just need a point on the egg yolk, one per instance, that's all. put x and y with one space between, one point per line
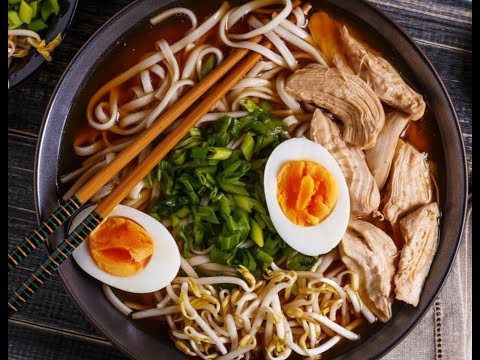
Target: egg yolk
306 192
120 246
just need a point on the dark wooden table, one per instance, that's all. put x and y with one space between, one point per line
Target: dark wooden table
50 326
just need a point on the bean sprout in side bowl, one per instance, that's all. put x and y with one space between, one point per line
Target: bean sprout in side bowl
286 222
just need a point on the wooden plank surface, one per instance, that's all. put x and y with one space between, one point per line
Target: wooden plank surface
50 326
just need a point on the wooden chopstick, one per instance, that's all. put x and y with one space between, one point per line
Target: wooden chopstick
70 206
107 204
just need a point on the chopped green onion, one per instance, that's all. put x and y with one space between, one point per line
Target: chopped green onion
184 211
187 242
259 220
25 12
13 20
268 222
179 156
199 152
248 204
205 213
227 242
188 182
300 262
256 233
195 132
201 170
241 124
219 153
273 244
175 221
155 216
198 235
46 10
265 106
189 143
225 206
208 66
229 178
221 135
244 203
248 104
245 258
220 256
247 146
31 15
267 140
37 25
34 6
260 128
263 257
55 6
233 189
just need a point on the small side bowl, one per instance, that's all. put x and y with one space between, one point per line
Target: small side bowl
20 69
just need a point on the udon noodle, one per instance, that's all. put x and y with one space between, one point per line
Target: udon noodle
283 312
18 45
21 41
162 79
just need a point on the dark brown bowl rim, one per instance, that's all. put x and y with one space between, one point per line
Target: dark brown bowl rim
454 207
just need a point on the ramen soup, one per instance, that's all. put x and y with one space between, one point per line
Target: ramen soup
296 216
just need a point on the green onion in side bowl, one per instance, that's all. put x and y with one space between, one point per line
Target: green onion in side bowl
27 20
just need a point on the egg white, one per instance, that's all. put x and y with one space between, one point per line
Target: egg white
160 270
308 240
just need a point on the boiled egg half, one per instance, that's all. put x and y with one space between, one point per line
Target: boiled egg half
129 250
307 196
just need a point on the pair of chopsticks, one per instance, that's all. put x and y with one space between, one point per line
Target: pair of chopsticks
107 204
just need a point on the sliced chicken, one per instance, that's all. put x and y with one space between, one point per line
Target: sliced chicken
379 158
382 77
364 193
420 232
345 52
408 186
346 96
371 253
